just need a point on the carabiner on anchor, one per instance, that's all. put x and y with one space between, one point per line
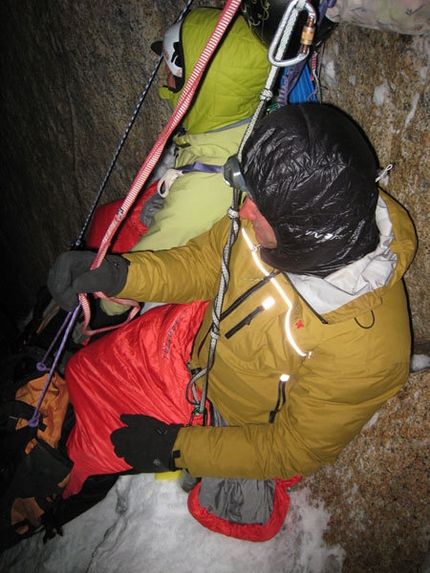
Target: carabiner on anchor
284 33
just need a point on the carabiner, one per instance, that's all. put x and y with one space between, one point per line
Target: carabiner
280 42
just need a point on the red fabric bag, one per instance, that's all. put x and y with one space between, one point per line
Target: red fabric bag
138 369
130 230
250 531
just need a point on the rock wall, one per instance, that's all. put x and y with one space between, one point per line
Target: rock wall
382 80
72 72
377 492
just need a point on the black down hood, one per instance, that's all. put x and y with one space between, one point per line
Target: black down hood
311 172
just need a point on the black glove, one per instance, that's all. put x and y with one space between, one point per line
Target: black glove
70 274
146 443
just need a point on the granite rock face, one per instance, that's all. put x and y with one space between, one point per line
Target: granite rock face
71 75
72 72
382 80
377 492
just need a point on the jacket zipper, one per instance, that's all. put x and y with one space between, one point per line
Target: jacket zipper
240 299
287 278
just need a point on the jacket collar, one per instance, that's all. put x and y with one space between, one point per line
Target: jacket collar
358 287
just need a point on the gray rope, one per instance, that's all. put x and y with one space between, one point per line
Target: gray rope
78 241
265 96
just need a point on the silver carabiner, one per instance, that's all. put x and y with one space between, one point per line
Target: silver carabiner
279 43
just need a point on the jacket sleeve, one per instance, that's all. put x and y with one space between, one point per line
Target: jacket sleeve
179 275
351 372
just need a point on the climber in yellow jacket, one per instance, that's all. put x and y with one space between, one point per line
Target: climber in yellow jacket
314 333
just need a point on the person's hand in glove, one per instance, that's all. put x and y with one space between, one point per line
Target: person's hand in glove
146 443
70 274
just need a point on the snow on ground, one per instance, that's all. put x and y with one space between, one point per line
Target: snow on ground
143 526
419 362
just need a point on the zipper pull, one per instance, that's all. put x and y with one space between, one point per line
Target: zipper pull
268 303
283 379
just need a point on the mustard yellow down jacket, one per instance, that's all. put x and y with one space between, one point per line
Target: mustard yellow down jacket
342 344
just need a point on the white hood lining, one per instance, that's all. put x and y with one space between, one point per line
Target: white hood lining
356 279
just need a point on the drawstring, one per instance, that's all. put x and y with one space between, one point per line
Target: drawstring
384 172
69 322
170 176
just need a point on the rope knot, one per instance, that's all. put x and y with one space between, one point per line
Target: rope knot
215 334
233 213
266 94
